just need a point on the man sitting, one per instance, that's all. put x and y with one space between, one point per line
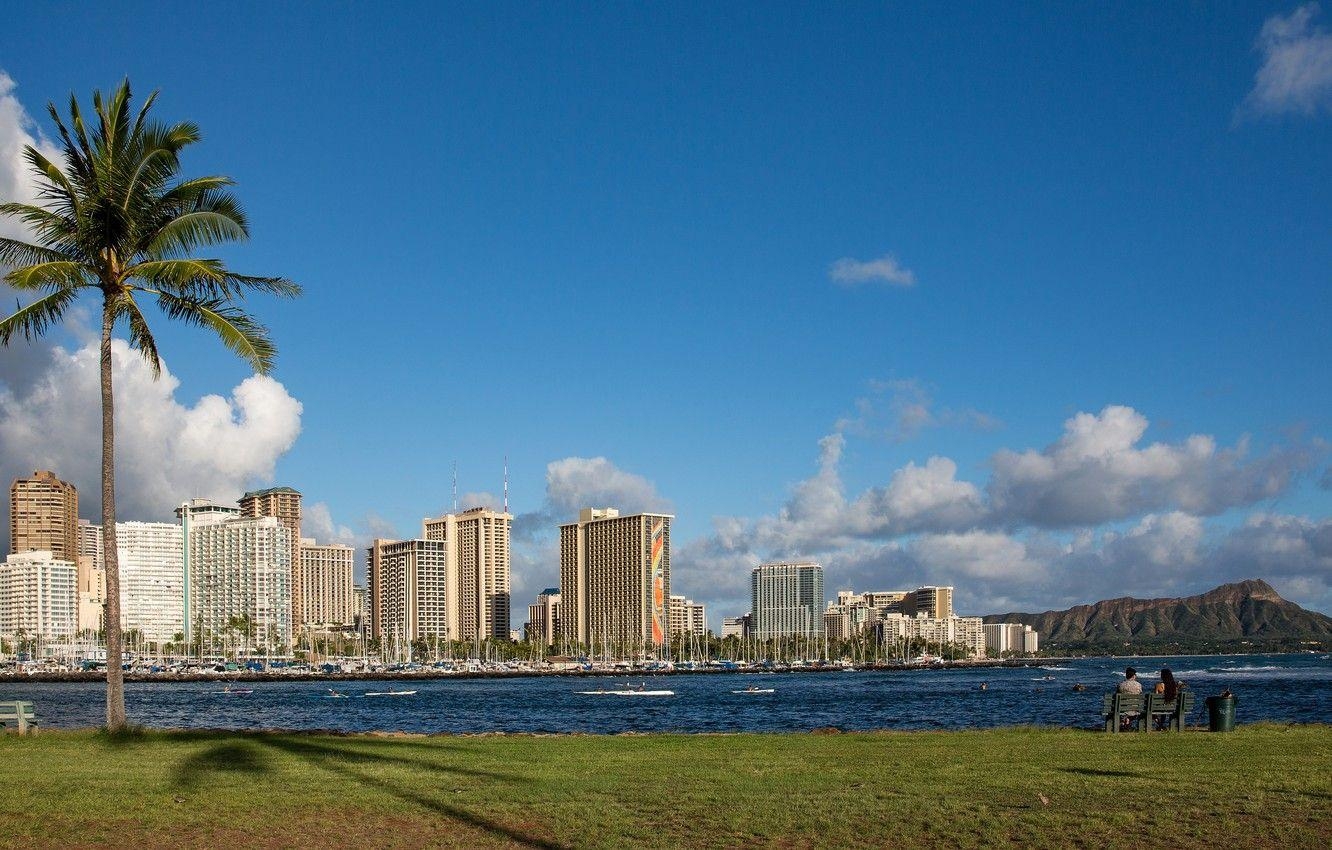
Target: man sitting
1130 685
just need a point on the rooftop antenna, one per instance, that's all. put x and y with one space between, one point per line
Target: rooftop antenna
506 483
455 486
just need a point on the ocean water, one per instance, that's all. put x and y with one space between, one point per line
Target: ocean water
1286 688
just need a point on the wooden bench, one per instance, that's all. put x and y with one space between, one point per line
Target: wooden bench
18 716
1120 708
1172 711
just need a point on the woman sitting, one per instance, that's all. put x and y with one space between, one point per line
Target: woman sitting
1168 689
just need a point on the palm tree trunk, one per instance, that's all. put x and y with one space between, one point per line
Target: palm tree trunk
115 676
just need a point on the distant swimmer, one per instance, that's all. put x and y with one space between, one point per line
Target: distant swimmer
985 686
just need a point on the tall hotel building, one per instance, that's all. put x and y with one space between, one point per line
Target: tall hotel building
688 617
283 504
326 579
408 589
152 579
787 600
477 552
92 578
44 516
615 578
236 567
38 596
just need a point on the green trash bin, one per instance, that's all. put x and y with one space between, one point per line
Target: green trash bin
1221 714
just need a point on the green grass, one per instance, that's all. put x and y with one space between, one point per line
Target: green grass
1264 786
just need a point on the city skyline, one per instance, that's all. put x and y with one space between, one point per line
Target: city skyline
1038 324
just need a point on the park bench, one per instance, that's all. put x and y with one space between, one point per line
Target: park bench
1119 708
18 716
1172 711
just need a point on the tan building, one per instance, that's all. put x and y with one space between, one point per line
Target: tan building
408 590
284 504
543 619
92 578
930 601
615 579
44 516
326 578
688 617
478 571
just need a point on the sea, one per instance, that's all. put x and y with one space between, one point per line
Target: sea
1291 688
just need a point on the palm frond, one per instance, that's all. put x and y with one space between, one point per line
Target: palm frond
278 286
59 274
16 253
193 229
141 336
236 329
33 320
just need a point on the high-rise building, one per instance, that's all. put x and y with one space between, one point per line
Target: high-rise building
935 632
326 579
284 504
239 573
193 513
736 626
152 579
92 578
44 516
408 589
38 596
688 617
615 578
478 571
787 600
543 619
361 605
1014 638
930 601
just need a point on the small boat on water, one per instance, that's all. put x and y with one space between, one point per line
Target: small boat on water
753 690
391 693
332 694
235 692
629 691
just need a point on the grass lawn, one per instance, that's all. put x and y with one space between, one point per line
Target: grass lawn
1262 786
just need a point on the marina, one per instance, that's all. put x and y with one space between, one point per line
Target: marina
1294 688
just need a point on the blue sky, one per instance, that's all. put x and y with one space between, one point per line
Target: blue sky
560 232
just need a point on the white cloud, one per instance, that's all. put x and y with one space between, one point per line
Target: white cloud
996 543
17 131
1296 74
898 410
886 269
1097 472
166 450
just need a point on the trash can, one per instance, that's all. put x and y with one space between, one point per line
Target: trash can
1221 714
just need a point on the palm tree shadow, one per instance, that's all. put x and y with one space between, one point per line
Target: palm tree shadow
347 763
228 757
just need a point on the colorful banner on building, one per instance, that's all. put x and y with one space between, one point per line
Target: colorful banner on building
658 582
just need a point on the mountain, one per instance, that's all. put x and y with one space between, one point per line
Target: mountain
1244 615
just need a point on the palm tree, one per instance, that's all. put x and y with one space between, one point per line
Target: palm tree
115 219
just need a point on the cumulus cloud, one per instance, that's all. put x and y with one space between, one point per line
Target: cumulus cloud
167 450
898 410
1039 532
1098 472
17 131
1296 73
886 269
572 483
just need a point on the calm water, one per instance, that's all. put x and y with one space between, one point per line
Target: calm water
1278 687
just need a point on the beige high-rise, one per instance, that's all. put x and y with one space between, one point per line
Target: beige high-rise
326 579
615 579
92 578
44 516
478 571
284 504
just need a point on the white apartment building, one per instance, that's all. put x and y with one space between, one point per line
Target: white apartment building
787 600
478 571
965 631
152 579
735 626
38 596
239 568
1011 638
